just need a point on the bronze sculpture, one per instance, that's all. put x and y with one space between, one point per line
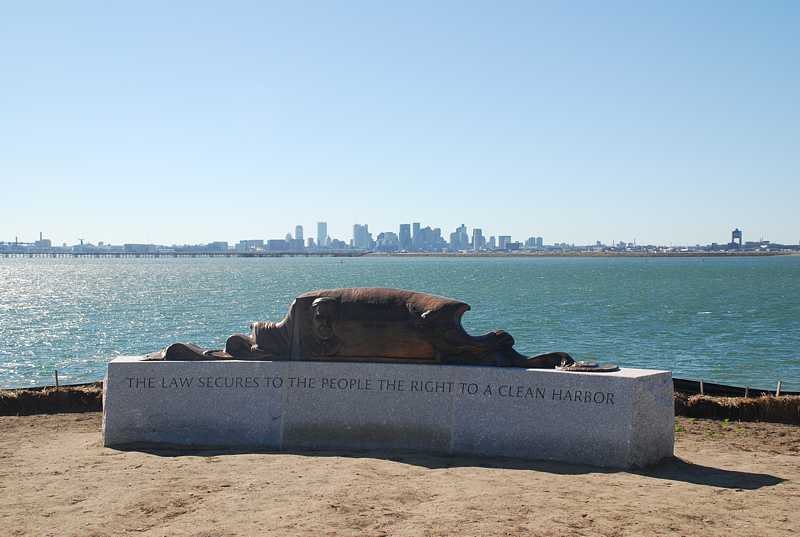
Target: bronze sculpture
372 325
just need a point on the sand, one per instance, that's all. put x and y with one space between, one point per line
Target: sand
731 479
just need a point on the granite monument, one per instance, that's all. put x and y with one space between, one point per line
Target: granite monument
387 369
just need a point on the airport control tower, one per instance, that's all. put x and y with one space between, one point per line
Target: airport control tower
736 238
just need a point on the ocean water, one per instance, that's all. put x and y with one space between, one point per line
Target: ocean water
728 320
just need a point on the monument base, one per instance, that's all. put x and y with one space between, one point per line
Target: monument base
622 419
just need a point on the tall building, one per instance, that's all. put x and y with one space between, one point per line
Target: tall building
478 240
539 242
362 238
427 239
459 239
415 238
322 234
387 242
292 244
298 233
503 242
436 241
492 244
405 236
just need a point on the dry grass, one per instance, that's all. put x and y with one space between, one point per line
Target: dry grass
782 409
48 400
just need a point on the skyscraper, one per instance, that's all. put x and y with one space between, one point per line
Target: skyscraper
405 236
435 237
503 241
415 242
478 240
322 234
387 242
298 233
362 238
459 239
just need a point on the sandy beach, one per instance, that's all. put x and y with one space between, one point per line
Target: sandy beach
56 479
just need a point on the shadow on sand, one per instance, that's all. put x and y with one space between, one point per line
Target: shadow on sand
673 469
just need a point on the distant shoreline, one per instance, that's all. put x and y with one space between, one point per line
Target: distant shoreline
580 254
348 253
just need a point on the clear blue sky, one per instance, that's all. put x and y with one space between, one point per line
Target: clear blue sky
170 122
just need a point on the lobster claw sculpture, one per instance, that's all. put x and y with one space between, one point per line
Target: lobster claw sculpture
371 325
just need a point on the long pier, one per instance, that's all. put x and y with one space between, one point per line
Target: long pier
180 254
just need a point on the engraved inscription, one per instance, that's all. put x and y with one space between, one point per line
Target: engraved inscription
413 386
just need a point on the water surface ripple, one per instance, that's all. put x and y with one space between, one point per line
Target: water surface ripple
733 321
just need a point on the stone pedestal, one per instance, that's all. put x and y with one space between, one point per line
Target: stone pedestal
623 419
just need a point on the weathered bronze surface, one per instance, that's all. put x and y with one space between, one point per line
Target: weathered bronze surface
372 325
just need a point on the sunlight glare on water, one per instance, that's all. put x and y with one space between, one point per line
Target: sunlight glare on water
731 320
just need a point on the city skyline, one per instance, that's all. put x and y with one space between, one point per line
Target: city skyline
346 233
410 237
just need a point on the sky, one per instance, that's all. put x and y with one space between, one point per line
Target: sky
190 122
